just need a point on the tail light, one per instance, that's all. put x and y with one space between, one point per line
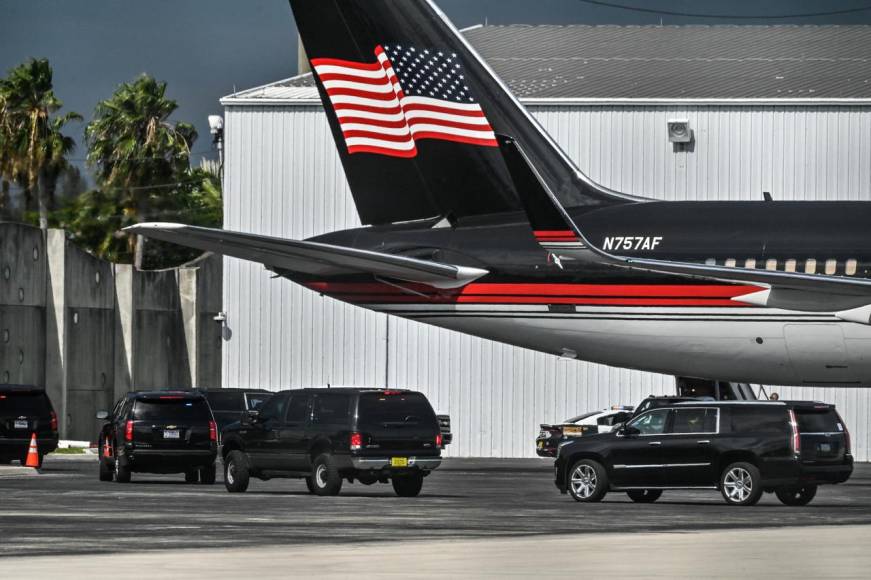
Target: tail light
53 421
439 440
847 442
356 441
128 431
213 431
796 436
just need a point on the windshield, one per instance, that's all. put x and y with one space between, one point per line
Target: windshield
378 410
825 421
256 400
172 410
23 404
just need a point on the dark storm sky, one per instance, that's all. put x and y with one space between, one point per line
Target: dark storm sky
205 48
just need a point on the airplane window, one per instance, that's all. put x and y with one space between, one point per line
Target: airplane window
810 266
850 270
789 266
730 263
711 262
831 266
771 264
750 263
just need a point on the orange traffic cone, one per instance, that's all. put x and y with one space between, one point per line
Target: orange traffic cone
32 453
107 451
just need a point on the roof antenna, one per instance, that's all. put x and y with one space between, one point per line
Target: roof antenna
767 196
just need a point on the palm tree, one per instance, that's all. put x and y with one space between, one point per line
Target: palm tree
137 153
31 140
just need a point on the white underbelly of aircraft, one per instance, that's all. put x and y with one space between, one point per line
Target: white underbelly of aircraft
756 345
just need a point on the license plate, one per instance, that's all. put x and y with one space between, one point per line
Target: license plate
541 444
171 434
399 462
825 448
21 424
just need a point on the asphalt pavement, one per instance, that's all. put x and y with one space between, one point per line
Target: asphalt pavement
66 510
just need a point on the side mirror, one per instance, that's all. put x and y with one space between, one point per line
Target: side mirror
629 431
250 417
102 415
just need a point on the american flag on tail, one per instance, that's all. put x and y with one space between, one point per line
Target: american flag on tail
406 95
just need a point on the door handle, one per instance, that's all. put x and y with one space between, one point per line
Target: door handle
655 443
705 442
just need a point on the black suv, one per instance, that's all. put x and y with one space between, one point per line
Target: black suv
228 405
159 432
25 411
741 448
330 435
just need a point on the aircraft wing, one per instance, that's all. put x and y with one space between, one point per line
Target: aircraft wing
556 231
310 257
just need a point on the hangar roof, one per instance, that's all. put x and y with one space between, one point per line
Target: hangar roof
558 64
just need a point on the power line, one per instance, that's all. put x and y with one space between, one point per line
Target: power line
203 153
726 16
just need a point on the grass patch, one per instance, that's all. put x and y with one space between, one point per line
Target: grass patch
70 451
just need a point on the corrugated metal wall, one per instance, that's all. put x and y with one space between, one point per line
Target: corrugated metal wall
284 178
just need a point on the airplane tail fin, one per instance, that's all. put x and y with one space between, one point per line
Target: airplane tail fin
414 111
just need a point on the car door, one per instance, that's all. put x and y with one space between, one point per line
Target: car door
636 455
262 434
689 448
293 439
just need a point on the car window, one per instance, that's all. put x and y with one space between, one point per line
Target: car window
694 421
824 421
394 411
274 407
758 419
256 400
171 410
296 409
224 401
652 423
329 408
23 404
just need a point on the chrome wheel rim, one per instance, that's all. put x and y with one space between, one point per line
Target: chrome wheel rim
321 476
231 472
738 484
584 481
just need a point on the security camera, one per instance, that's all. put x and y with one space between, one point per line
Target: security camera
679 131
216 124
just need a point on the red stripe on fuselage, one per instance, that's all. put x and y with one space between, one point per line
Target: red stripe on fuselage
508 293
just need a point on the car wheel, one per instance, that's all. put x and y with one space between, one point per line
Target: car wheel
122 472
191 476
741 484
208 474
408 485
796 495
644 495
310 484
325 476
588 481
236 472
106 473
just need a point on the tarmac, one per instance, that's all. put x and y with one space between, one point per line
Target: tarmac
473 518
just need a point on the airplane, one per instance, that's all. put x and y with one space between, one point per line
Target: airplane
476 221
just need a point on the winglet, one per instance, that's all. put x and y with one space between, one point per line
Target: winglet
551 225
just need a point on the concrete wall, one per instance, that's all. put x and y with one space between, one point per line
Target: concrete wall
90 331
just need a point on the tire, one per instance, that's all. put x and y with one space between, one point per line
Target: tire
208 474
741 484
325 476
588 481
122 472
796 495
106 472
191 476
237 474
408 485
310 484
644 495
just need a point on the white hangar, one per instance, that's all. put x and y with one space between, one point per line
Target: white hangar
779 109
